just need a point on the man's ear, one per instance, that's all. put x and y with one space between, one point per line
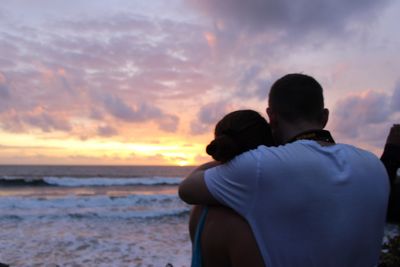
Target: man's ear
325 117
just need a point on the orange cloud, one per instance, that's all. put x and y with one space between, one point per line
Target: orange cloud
61 72
211 39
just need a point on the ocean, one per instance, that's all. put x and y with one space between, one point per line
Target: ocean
93 216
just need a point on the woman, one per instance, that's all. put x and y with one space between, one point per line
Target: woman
237 132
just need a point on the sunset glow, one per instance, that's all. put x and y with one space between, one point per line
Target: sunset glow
143 83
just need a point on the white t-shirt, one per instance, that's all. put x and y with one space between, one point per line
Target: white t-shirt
307 204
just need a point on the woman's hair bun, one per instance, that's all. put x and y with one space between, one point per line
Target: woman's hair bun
223 148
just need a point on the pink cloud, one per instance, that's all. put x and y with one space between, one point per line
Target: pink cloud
122 68
65 68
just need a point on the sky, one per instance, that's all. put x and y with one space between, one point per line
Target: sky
133 82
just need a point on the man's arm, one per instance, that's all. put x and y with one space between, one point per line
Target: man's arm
193 189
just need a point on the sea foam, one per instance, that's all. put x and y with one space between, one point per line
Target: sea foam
88 181
133 206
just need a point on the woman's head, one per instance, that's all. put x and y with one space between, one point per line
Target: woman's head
238 132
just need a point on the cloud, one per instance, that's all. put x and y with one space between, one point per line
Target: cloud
38 118
46 122
106 131
131 67
208 116
253 83
141 112
363 117
9 52
96 114
169 123
292 18
4 88
395 103
117 22
119 109
275 32
132 58
163 59
5 93
32 147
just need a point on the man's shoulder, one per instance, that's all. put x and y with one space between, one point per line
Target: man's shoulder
357 151
298 149
306 149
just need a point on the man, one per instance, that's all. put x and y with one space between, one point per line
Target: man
310 202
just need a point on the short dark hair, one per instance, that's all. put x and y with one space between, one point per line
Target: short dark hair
238 132
297 97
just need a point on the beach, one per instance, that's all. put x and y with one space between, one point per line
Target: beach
92 216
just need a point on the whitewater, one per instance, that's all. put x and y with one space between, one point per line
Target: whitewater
93 216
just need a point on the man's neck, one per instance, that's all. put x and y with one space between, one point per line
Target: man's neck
290 130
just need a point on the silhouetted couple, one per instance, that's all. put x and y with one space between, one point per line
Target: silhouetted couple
284 193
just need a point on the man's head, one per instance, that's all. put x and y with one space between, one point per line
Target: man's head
296 104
